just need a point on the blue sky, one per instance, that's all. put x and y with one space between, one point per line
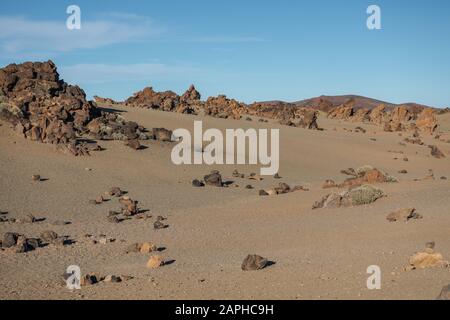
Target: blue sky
249 50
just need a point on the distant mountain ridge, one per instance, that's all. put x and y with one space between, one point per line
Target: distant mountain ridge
325 103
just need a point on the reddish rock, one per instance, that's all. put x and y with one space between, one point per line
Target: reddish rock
56 112
426 121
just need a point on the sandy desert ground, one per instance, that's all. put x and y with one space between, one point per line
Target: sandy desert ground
318 254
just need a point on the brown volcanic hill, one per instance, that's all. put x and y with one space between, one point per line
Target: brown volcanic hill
359 102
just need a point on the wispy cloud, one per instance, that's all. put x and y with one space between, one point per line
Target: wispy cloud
21 35
106 73
226 39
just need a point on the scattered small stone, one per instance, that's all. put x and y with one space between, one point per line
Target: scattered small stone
129 206
445 293
88 280
405 159
60 223
9 239
249 186
21 245
349 172
126 278
162 134
236 174
49 236
115 192
253 262
415 140
430 245
159 225
32 243
99 200
403 215
29 218
104 240
263 193
133 144
435 152
135 247
213 179
36 177
113 219
443 178
254 176
329 184
276 176
197 183
403 171
112 279
58 241
155 261
147 247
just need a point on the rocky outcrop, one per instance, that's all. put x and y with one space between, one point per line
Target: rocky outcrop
427 122
148 98
343 112
106 101
42 107
400 118
362 195
361 115
307 119
188 103
191 96
222 107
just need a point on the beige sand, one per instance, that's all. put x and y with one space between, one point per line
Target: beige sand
320 254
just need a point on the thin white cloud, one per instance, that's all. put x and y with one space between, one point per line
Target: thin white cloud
105 73
20 35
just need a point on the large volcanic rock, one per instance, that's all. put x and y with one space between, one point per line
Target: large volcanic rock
167 100
43 108
222 107
400 118
427 121
191 95
148 98
343 112
287 113
378 114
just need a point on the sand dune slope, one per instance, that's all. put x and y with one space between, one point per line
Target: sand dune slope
318 254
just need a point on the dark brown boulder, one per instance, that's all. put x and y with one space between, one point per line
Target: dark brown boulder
42 107
162 134
435 152
9 239
213 179
254 262
133 144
